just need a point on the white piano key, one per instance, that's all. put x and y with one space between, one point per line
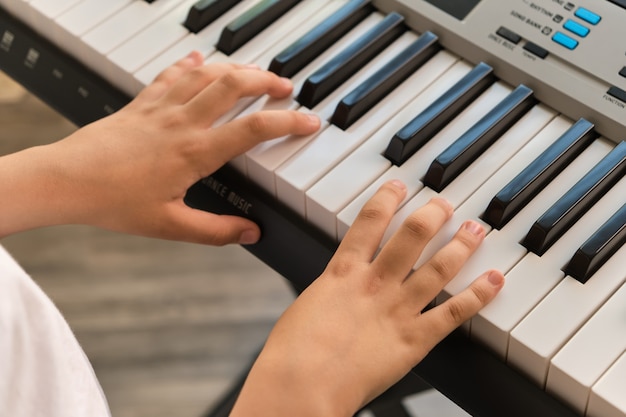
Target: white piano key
316 16
501 249
496 156
493 324
590 353
527 351
261 161
78 20
414 169
127 23
299 172
466 185
88 14
203 41
250 105
52 8
607 395
147 44
274 33
473 207
551 323
326 107
344 182
120 27
43 12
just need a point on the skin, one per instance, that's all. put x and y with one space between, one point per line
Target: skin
129 172
358 328
354 332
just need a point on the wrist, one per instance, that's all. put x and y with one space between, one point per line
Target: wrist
283 385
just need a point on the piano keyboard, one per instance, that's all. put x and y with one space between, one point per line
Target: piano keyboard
513 111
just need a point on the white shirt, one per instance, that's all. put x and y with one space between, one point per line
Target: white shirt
43 370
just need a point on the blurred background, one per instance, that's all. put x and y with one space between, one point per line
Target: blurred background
167 326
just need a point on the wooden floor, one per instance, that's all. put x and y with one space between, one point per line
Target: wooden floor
168 326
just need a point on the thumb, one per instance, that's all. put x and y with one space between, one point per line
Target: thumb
193 225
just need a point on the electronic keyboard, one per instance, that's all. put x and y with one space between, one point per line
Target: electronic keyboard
514 111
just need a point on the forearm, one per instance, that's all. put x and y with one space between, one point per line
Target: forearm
35 192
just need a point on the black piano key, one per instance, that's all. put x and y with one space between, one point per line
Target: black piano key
251 23
528 183
332 74
569 208
385 80
205 12
598 248
317 40
425 125
458 156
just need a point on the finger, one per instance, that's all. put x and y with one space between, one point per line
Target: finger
164 81
197 226
197 80
364 236
437 323
221 95
240 135
425 283
406 245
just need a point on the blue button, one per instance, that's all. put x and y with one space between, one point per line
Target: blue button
576 28
587 15
566 41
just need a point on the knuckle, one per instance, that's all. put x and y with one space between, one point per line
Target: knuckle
174 119
166 76
396 193
230 81
200 75
294 119
468 243
340 267
469 239
481 294
257 124
372 212
455 311
418 227
441 268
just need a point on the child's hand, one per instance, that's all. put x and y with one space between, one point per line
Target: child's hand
130 171
358 328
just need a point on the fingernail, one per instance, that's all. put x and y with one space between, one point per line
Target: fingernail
398 184
473 227
444 204
286 82
195 56
248 237
252 66
313 119
495 278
